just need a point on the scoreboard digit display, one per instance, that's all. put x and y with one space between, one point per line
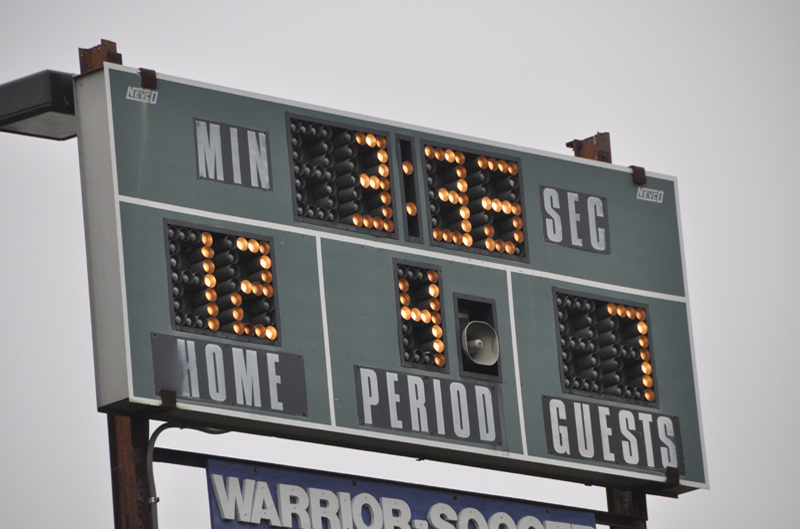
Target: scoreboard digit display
221 283
296 271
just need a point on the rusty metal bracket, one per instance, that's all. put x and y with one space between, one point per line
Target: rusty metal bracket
597 147
639 175
148 78
169 400
667 487
673 476
93 58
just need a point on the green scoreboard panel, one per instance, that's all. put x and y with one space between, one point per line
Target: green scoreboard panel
294 271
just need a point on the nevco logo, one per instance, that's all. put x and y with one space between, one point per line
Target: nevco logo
143 95
651 195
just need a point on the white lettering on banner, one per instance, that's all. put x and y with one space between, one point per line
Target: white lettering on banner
440 515
366 501
503 519
471 515
396 514
530 522
346 510
318 512
252 502
297 508
264 506
231 501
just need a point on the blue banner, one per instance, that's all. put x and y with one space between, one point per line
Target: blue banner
242 495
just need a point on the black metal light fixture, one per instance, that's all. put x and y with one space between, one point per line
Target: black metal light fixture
40 105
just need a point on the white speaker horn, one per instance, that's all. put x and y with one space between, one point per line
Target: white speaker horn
479 341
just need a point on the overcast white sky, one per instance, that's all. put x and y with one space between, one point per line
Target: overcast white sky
704 91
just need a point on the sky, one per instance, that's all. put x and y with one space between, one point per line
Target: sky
703 91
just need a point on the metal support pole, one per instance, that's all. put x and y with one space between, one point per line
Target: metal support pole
629 503
127 440
622 502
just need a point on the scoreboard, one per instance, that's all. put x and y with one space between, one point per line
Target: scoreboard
296 271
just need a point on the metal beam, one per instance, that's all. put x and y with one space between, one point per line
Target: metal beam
127 440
